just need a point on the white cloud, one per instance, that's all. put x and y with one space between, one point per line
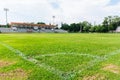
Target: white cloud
83 9
66 11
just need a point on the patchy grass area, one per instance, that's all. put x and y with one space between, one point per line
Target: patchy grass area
59 56
17 74
112 68
94 77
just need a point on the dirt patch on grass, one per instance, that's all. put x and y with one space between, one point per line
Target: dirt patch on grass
112 68
5 63
18 74
94 77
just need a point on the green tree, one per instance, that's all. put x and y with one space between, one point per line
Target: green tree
40 23
74 27
92 29
65 26
86 26
111 22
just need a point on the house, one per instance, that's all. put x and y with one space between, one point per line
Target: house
118 29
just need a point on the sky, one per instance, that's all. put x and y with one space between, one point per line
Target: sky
65 11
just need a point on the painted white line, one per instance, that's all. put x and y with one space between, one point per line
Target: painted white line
56 54
47 67
69 75
93 63
113 53
43 65
61 74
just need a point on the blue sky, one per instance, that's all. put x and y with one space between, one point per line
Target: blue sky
67 11
55 5
114 2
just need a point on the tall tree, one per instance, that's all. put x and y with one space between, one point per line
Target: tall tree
111 22
74 27
64 26
86 26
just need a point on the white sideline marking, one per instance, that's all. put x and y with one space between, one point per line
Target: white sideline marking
113 53
43 65
70 74
93 63
81 54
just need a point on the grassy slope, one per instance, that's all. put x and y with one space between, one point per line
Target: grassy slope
35 45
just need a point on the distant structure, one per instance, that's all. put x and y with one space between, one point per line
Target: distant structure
118 29
31 27
18 25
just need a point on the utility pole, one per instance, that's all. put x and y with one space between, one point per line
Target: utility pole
6 10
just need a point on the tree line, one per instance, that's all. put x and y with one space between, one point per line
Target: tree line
109 24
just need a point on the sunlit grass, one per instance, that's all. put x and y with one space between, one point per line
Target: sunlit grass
35 45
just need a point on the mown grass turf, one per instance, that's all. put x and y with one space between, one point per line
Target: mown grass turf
75 56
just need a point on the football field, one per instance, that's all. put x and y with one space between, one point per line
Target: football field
69 56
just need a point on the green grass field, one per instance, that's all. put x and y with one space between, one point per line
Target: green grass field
59 56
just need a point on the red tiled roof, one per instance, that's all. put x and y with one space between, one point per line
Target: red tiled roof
31 24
